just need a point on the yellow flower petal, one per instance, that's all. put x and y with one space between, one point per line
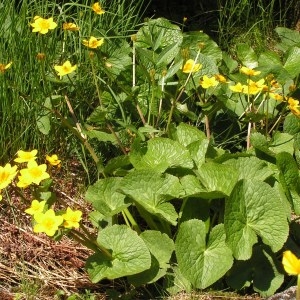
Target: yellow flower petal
65 68
96 7
291 263
191 67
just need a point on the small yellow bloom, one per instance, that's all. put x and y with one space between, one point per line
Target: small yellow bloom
34 173
36 207
294 106
4 67
220 78
25 156
47 222
70 27
72 218
7 174
190 66
249 72
255 87
238 88
208 82
42 25
96 7
53 160
291 263
276 96
93 42
65 69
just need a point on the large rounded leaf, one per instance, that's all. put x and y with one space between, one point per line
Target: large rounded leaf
129 254
200 262
254 209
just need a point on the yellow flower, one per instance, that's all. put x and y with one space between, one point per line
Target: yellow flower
70 27
47 222
249 72
25 156
238 88
294 106
7 174
93 42
276 96
291 263
65 69
220 78
207 82
254 87
53 160
191 67
42 25
96 7
36 207
72 218
34 173
4 67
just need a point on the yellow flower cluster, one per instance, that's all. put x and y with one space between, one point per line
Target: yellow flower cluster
43 26
45 219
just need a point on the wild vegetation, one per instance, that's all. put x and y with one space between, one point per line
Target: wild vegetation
191 149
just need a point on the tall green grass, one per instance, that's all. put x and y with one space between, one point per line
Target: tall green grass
251 21
29 82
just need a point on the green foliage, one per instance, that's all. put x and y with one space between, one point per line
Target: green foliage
201 173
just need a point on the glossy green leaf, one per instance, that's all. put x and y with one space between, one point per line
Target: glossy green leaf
152 191
201 262
254 209
292 63
105 197
247 55
129 254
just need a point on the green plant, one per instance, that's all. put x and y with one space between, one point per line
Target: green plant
174 204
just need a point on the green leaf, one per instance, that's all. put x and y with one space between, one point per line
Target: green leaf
254 209
218 177
288 37
129 254
161 248
200 262
291 124
105 197
117 164
263 270
282 142
152 190
43 123
246 55
230 63
250 168
292 63
101 136
160 154
186 134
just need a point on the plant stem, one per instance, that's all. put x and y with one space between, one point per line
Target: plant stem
131 219
298 288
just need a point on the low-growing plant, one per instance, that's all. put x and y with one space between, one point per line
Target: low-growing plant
205 176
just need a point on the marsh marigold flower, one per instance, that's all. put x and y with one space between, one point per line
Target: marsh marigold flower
93 42
7 174
72 218
34 173
249 71
65 68
47 222
220 78
191 67
254 87
208 82
43 25
53 160
4 67
96 7
294 106
70 27
36 207
291 263
25 156
238 88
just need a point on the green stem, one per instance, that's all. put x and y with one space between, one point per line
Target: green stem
131 219
298 288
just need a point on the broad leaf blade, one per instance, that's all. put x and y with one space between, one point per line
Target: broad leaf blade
130 254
